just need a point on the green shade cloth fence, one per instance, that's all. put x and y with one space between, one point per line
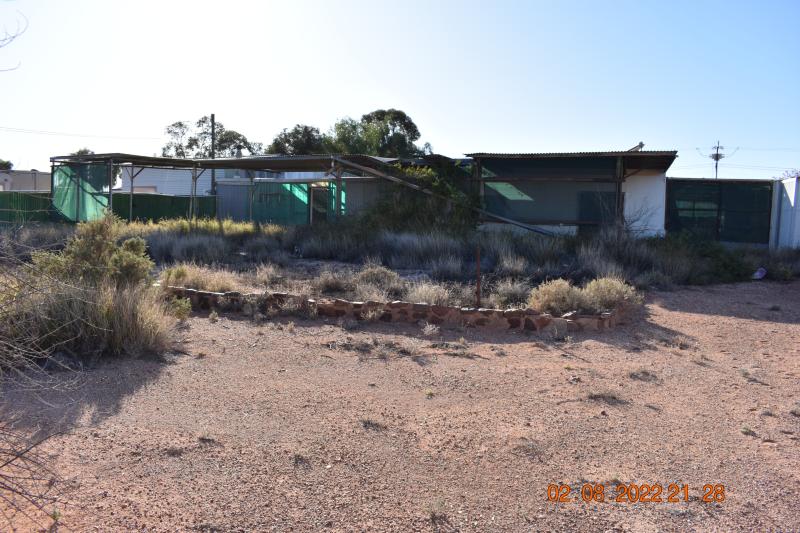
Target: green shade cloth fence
727 211
281 203
78 191
20 207
149 206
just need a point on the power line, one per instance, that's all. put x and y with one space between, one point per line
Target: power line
8 129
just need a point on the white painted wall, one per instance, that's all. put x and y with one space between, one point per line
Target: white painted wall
24 180
786 219
645 203
179 181
168 181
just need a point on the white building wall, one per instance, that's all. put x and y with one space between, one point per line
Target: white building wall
645 203
24 180
786 219
168 181
179 181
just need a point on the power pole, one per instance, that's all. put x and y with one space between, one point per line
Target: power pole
213 154
716 155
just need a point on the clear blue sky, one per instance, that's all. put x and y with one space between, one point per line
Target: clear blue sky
475 76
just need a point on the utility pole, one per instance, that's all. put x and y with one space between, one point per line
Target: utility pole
716 155
213 154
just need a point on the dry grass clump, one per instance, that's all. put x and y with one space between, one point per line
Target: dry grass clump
449 267
430 293
366 292
261 248
512 266
269 275
557 297
606 294
411 250
329 282
18 242
381 278
509 293
603 294
201 278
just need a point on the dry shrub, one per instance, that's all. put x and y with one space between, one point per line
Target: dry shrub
511 265
509 293
331 282
366 292
28 487
268 275
557 297
261 248
606 294
596 259
449 267
381 278
429 293
200 278
412 250
93 321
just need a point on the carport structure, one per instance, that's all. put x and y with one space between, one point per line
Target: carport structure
83 185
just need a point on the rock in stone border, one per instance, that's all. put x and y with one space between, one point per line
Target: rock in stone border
399 311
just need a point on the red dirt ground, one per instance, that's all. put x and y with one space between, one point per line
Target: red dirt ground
314 427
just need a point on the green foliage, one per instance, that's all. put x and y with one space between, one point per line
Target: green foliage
180 308
94 256
300 140
184 141
6 165
403 208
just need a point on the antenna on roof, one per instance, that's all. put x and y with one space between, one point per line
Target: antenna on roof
716 155
637 148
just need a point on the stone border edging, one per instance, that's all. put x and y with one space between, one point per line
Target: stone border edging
398 311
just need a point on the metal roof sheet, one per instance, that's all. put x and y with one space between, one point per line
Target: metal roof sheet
545 155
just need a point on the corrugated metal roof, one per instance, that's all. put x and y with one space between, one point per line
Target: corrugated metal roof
545 155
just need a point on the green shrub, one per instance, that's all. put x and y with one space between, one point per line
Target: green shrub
557 297
607 294
180 308
93 256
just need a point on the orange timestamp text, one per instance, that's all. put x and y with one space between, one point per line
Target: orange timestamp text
632 493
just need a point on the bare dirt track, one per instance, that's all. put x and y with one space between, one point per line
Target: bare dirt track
314 427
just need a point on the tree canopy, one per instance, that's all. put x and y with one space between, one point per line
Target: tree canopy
300 140
6 165
185 140
383 132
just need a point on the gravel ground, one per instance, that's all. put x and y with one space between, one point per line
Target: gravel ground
311 426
